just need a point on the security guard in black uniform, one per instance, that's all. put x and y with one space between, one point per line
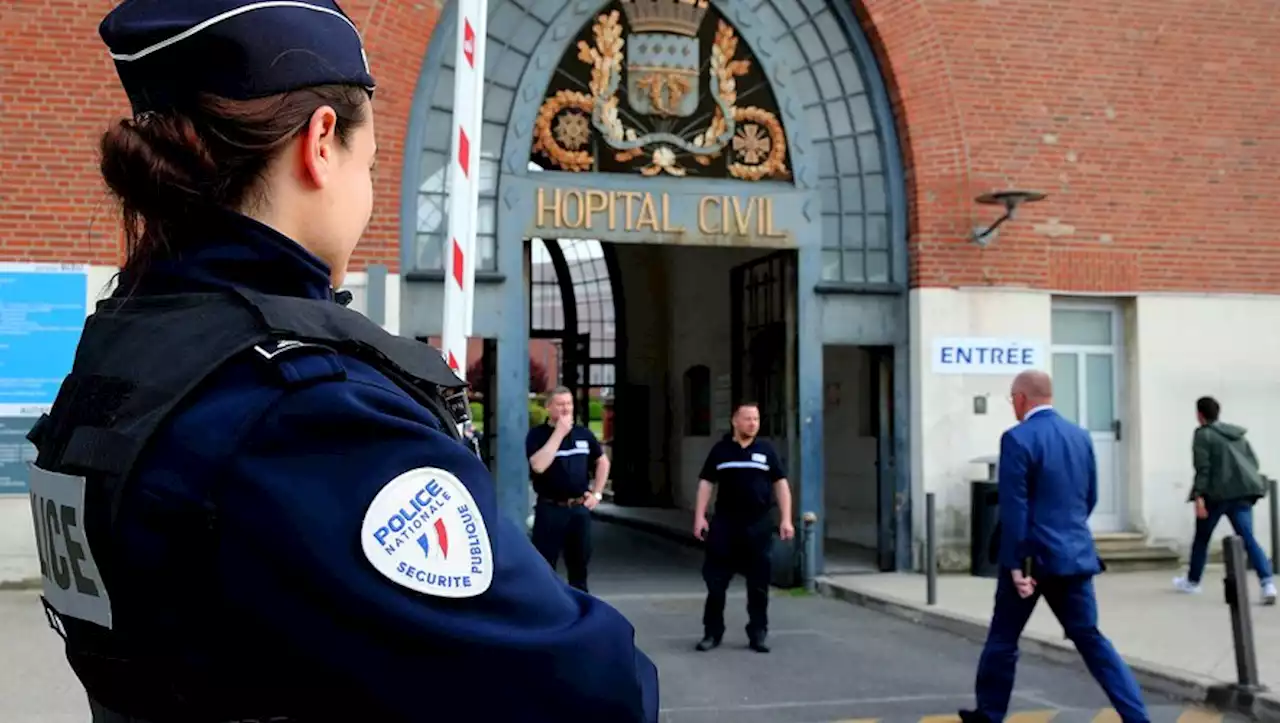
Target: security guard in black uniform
569 470
252 503
748 477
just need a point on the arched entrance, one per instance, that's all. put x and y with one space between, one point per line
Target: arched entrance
683 130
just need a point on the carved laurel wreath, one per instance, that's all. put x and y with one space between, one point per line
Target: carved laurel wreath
601 105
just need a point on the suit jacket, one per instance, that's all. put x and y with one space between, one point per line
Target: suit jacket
1048 488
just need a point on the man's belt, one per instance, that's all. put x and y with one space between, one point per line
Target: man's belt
571 502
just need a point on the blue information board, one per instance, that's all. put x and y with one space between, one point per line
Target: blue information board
42 313
15 454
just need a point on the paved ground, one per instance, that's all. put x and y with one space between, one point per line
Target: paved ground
831 661
1145 618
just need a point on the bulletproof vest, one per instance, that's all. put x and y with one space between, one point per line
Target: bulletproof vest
138 359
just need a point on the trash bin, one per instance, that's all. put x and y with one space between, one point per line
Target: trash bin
984 515
786 561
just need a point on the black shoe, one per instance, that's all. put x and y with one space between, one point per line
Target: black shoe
973 716
708 643
758 645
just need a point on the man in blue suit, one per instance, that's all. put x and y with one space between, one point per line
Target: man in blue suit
1048 488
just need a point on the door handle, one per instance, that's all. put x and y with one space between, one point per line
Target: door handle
1115 427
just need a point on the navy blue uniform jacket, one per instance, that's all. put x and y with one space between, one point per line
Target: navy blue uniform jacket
291 453
570 473
1048 489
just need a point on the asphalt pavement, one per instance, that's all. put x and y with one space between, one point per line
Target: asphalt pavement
830 662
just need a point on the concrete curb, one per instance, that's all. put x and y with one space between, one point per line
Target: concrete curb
1259 705
1179 684
28 583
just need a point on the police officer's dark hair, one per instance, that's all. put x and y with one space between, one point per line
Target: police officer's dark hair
740 405
1208 408
166 167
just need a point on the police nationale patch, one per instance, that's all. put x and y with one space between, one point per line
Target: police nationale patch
424 531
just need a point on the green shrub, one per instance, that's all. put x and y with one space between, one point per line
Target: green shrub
596 410
537 414
477 412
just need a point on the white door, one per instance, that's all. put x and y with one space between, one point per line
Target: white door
1086 389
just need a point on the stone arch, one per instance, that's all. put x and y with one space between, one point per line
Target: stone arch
822 69
849 217
537 78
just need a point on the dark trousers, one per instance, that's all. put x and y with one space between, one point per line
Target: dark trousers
100 714
1240 514
1074 604
559 529
738 548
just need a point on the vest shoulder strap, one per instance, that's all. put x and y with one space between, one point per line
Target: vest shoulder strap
418 368
318 321
139 358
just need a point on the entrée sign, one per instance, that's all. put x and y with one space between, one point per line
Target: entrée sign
590 209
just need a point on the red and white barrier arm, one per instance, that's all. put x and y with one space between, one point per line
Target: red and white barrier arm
464 187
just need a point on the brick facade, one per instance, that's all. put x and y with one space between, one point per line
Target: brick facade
59 92
1154 125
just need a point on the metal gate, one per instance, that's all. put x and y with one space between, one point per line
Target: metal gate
764 369
764 342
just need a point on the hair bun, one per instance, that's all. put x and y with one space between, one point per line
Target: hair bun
158 166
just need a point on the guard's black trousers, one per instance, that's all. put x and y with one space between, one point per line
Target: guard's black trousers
101 714
557 529
738 548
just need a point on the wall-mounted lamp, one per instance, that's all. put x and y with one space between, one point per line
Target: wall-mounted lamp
1010 200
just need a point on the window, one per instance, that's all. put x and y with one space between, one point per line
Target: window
697 401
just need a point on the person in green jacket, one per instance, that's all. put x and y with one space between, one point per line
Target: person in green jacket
1227 484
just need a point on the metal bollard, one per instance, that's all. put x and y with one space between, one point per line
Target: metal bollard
810 552
1272 487
930 549
1237 595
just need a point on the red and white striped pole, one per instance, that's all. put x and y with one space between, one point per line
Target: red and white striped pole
464 187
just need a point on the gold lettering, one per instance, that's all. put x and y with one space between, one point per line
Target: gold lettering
725 216
613 211
579 207
742 216
597 201
628 197
769 231
666 216
553 207
703 226
648 214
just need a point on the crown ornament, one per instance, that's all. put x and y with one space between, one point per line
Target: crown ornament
680 17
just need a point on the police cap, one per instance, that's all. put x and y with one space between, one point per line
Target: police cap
169 51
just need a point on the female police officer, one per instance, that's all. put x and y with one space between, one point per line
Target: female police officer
251 502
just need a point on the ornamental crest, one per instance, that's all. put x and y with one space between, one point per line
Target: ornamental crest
661 86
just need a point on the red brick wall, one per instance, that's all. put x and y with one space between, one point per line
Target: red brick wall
1154 125
396 34
59 92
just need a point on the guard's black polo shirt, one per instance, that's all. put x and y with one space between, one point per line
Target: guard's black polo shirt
743 477
569 475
